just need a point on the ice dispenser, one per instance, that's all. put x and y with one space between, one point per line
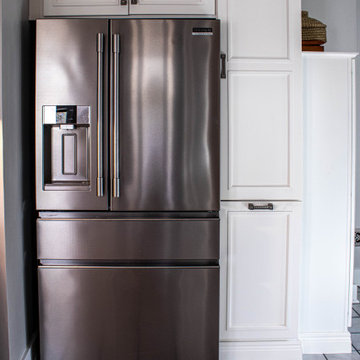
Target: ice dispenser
66 147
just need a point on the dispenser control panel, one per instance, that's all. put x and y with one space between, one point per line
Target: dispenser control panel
66 114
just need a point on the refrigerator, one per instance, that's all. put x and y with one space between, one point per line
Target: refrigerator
127 188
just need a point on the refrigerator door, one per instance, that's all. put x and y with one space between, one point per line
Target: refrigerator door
71 113
165 115
133 313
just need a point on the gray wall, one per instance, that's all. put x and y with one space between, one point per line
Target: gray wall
17 119
341 17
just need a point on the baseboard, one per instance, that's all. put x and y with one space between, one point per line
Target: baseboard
356 280
270 350
326 343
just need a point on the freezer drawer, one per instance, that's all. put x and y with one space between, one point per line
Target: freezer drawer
116 313
128 239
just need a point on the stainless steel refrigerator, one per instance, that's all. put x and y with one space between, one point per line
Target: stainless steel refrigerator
127 188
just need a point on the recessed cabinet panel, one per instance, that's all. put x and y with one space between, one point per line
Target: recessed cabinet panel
259 135
263 237
84 7
259 158
258 29
258 260
195 7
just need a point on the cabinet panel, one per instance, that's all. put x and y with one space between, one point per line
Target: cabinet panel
329 194
260 154
259 264
258 29
84 7
195 7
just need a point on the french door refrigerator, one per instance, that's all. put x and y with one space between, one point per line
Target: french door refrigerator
127 188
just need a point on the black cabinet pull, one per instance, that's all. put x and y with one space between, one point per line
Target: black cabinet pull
123 2
134 2
223 66
268 206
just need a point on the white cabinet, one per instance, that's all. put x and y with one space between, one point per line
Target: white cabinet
258 29
127 7
261 100
84 7
329 133
185 7
259 271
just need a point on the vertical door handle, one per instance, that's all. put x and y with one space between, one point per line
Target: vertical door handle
223 66
100 115
116 115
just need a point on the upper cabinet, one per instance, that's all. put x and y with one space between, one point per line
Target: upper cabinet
128 7
85 7
186 7
261 100
261 29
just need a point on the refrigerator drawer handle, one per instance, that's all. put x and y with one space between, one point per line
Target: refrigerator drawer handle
100 112
116 125
261 207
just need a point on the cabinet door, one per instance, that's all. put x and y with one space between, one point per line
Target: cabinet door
259 271
261 137
262 30
85 7
261 100
191 7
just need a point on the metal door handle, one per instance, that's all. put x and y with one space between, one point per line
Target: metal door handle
223 66
123 2
268 206
116 125
134 2
100 112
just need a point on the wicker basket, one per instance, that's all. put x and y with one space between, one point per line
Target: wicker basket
312 29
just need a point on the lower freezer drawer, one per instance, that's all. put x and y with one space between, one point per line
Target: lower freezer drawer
129 313
128 239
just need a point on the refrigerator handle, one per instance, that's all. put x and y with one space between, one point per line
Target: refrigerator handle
100 112
223 66
116 125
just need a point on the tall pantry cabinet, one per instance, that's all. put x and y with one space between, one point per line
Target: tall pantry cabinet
261 174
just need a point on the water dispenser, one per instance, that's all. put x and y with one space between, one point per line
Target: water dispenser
66 147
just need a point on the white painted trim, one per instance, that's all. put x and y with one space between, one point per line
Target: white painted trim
352 182
275 350
326 343
312 54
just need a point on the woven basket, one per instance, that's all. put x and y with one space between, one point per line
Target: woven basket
312 29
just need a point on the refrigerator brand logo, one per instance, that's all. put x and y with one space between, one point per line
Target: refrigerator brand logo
203 31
